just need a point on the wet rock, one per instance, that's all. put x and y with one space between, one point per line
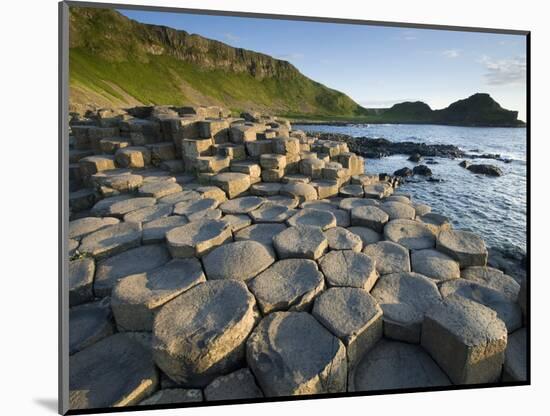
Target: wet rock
489 170
389 257
403 172
287 284
197 238
341 239
201 333
422 170
88 324
466 339
300 242
410 234
465 247
434 264
234 386
405 298
415 157
290 353
464 164
240 260
422 209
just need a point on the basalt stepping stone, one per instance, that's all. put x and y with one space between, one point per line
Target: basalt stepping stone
287 284
493 278
88 324
94 164
137 260
342 216
159 189
148 213
389 257
348 268
355 191
182 196
353 316
72 246
237 222
291 353
398 210
133 157
117 208
434 264
314 218
302 191
370 217
197 238
300 242
217 316
508 311
405 298
397 365
83 226
349 203
81 279
122 182
410 234
422 209
207 214
515 361
466 339
367 235
155 231
341 239
293 178
465 247
111 240
272 213
116 371
287 201
240 260
136 298
191 207
232 183
242 205
265 189
321 204
398 198
173 396
237 385
262 233
102 207
435 222
377 190
212 192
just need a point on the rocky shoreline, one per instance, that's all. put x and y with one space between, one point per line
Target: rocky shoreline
227 258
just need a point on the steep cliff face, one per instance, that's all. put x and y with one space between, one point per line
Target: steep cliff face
115 59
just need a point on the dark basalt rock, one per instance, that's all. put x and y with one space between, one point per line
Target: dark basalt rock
415 157
464 164
403 172
422 170
489 170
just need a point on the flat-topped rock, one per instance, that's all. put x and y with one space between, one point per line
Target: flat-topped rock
367 235
111 240
116 371
237 385
188 208
493 278
355 191
435 222
212 192
405 298
136 298
159 189
94 164
342 216
349 203
201 333
422 209
389 257
370 217
398 210
272 213
300 242
182 196
173 396
515 359
242 205
81 279
434 264
397 365
118 207
262 233
155 231
507 310
377 190
88 324
240 260
237 222
466 339
353 316
302 191
287 201
291 353
410 234
83 226
314 218
265 189
137 260
148 213
197 238
232 183
341 239
133 157
465 247
287 284
348 268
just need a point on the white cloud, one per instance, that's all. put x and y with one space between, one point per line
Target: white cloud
451 53
504 71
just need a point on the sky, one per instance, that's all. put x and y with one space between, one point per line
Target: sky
376 66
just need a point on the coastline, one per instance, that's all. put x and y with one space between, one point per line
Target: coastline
308 122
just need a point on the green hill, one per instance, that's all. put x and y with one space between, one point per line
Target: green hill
115 61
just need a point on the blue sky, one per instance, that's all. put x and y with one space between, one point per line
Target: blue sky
376 66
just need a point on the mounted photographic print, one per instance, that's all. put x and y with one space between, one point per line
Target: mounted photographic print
266 208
